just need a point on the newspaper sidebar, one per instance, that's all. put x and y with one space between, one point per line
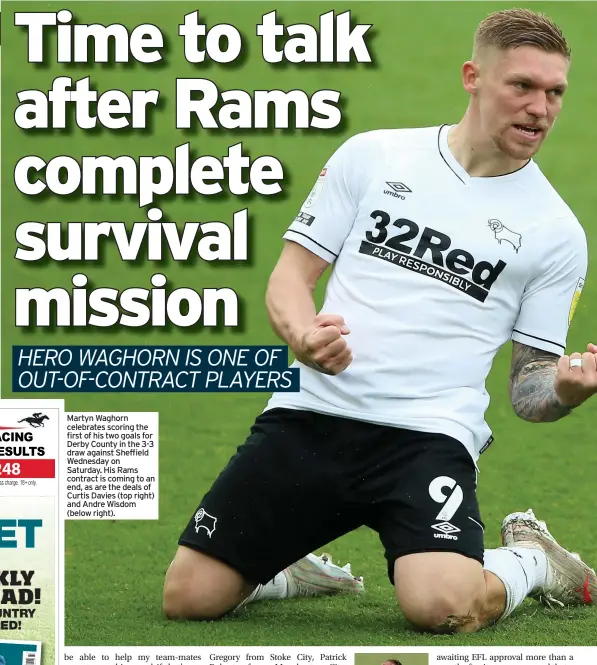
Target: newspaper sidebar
30 531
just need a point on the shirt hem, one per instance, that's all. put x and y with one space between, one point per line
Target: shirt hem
428 425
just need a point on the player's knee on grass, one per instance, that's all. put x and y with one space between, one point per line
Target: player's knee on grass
199 587
444 611
441 592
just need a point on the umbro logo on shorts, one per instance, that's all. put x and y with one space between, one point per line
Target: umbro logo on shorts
447 530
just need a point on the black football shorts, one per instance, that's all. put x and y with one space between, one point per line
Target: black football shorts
303 479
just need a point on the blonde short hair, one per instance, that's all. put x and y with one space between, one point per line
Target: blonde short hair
511 28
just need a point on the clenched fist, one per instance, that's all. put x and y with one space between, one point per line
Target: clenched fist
576 377
323 347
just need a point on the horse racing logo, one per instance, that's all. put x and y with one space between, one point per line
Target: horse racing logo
36 420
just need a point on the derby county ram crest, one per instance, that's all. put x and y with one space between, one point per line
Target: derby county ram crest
504 234
205 521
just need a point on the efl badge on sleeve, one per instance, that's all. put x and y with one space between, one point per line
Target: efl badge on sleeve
317 189
575 299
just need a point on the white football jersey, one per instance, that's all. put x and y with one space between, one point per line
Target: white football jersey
433 271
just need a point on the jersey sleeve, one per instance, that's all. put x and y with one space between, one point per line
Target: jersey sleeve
550 298
328 213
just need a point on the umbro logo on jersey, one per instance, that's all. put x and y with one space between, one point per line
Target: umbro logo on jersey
397 189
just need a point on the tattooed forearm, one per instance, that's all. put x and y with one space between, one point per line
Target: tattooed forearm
532 385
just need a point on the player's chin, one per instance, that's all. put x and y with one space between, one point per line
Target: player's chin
518 150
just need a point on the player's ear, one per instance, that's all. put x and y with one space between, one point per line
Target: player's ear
470 75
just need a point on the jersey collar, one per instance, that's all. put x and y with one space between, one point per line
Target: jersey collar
454 165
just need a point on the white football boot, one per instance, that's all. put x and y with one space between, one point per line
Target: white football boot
569 580
318 576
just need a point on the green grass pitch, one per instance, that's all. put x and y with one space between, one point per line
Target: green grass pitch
114 570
